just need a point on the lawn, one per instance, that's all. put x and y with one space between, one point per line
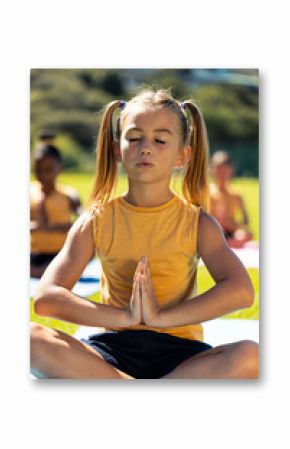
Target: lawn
248 187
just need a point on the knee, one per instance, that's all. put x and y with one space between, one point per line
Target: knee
37 332
246 359
39 336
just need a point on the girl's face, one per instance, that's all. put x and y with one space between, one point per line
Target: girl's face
222 172
46 170
150 144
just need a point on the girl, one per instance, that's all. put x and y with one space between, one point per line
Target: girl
148 242
226 202
51 209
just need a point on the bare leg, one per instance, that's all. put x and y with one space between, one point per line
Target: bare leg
60 356
233 361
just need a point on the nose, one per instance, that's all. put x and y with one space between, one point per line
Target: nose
145 148
145 151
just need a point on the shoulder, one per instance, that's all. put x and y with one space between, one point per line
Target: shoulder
234 192
82 226
210 233
187 207
80 236
68 191
103 212
207 223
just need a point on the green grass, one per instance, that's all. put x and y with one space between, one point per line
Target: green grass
248 187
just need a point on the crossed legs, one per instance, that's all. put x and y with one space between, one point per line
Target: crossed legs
61 356
232 361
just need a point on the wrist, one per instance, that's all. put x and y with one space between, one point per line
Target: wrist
127 318
156 320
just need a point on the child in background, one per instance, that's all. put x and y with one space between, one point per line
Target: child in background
148 241
226 203
46 136
51 209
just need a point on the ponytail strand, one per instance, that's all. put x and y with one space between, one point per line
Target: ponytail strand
106 165
195 185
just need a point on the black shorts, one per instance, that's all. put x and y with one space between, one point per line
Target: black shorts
144 354
41 258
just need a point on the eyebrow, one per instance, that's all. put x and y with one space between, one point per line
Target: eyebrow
160 130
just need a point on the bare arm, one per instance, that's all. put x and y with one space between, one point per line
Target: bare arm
242 207
233 289
61 227
53 297
75 204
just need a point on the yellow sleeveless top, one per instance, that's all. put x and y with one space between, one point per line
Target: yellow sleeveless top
167 234
58 210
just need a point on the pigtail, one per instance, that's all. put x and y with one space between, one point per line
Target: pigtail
106 165
195 185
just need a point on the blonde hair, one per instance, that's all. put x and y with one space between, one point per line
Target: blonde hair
193 133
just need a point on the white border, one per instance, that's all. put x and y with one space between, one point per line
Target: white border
126 34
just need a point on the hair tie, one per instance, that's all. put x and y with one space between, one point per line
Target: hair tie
122 104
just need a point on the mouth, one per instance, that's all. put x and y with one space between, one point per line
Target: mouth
144 164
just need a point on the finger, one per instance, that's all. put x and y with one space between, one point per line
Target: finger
137 277
136 291
144 287
140 287
148 276
147 270
137 270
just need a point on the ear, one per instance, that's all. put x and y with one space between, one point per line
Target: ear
183 156
117 151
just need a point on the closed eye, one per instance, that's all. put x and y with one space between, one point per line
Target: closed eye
136 140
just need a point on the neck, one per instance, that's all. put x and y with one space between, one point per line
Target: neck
222 185
148 195
48 188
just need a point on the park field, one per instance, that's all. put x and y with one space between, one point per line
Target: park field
248 187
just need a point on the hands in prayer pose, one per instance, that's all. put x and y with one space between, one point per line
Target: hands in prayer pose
143 307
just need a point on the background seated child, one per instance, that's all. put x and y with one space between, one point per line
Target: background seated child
51 209
226 204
